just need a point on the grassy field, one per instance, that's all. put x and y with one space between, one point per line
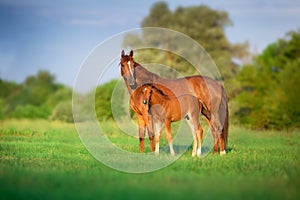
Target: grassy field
46 160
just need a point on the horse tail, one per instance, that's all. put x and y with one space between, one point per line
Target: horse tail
224 108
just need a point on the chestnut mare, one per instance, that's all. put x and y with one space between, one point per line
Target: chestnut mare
209 92
161 107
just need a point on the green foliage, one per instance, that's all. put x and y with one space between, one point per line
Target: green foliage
2 106
62 93
109 97
37 89
35 98
43 160
30 112
7 87
61 103
289 101
203 24
103 100
270 93
63 112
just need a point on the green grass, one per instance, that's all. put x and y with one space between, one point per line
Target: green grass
46 160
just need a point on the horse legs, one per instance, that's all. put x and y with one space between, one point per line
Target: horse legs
199 137
222 133
219 138
217 130
169 136
194 131
197 132
214 134
222 144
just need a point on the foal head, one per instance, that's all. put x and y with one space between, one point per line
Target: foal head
150 94
139 100
128 68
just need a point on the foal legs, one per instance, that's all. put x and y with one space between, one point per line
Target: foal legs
157 130
148 120
169 136
142 126
142 129
157 138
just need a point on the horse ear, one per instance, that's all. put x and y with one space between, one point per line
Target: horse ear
131 53
123 53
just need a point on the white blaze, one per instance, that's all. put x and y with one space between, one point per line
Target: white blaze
130 68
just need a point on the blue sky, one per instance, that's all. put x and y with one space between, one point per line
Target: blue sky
58 35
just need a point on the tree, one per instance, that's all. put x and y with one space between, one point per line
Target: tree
8 91
38 88
270 93
201 23
36 97
103 100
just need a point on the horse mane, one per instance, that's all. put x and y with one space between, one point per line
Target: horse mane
145 72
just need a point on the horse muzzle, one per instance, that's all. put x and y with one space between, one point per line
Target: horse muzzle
131 81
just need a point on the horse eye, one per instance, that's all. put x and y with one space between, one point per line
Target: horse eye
144 102
122 65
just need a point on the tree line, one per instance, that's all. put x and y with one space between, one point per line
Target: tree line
39 96
263 93
268 93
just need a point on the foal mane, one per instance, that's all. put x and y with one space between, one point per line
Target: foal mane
157 91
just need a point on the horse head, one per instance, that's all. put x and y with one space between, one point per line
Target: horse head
128 68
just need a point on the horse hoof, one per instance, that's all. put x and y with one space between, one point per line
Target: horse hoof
222 153
193 154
